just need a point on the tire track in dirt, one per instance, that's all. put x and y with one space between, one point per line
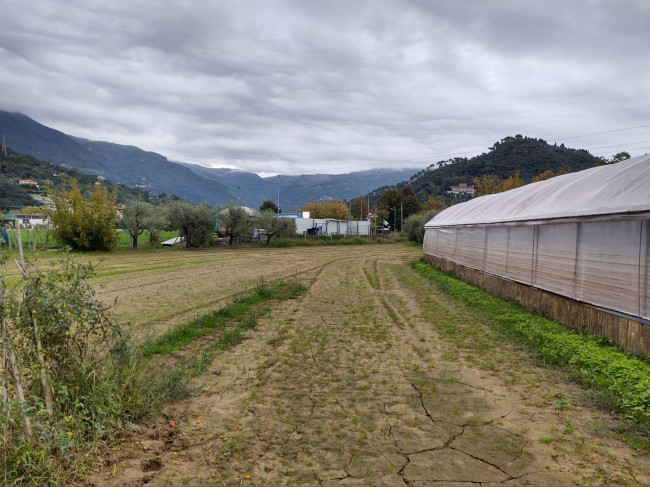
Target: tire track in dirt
446 435
520 445
334 389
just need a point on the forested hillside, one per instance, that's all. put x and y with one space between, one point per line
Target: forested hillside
529 156
18 166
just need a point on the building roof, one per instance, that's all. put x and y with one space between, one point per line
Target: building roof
611 189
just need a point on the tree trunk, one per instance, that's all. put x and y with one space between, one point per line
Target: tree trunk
134 242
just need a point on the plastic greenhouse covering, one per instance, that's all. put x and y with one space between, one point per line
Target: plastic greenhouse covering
583 235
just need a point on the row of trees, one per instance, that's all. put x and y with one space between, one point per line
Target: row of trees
89 222
392 205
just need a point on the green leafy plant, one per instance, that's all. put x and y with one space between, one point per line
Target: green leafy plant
70 378
594 361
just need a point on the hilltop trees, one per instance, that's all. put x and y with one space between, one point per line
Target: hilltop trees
621 156
528 155
84 223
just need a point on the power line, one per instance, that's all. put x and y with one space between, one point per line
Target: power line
616 150
600 133
578 117
621 145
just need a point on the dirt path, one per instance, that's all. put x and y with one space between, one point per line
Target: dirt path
372 378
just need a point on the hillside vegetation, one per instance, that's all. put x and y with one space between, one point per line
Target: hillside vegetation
50 176
528 156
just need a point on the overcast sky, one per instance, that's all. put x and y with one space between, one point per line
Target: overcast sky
297 86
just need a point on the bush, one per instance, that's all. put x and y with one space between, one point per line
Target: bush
84 223
414 226
77 379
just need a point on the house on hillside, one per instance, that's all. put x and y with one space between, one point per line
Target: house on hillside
462 188
28 182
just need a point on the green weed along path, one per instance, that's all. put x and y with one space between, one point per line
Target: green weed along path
374 377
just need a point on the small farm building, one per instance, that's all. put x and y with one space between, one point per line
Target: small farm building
330 226
574 247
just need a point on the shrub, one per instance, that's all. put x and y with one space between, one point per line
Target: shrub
414 226
74 378
84 223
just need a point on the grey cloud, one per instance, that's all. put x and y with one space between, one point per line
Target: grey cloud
292 86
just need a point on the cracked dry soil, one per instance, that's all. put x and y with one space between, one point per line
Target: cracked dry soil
352 385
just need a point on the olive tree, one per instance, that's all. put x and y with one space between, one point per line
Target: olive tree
194 223
236 221
136 219
273 224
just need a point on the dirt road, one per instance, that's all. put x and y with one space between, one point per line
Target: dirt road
370 379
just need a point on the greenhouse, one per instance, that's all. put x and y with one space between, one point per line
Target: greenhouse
575 247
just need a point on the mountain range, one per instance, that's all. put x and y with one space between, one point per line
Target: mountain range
132 166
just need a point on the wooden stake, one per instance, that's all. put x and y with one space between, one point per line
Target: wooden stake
47 394
8 350
4 345
20 243
20 394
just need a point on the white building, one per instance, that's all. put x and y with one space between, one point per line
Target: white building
330 226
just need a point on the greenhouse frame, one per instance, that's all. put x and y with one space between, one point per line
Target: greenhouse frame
574 247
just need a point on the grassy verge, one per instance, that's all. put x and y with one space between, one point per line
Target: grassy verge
284 242
242 308
621 381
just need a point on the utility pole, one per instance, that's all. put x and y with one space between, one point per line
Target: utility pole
401 215
238 196
349 231
278 194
